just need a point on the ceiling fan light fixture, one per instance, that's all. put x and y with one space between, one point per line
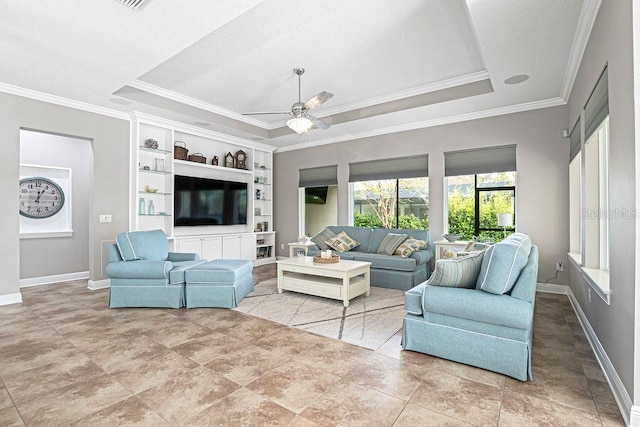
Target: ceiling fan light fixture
299 124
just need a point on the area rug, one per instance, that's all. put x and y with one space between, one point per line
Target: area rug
369 321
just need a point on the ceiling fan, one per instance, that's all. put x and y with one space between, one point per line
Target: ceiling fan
301 121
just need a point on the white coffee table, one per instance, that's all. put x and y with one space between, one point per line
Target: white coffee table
343 280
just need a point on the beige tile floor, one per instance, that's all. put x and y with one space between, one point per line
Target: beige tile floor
66 359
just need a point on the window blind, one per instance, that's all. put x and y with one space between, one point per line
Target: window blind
574 141
319 177
597 107
480 160
396 168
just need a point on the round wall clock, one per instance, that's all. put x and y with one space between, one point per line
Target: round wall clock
40 197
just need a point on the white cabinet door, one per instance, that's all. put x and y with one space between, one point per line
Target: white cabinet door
191 245
248 246
211 248
231 247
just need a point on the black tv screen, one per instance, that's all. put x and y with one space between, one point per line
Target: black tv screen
316 195
204 201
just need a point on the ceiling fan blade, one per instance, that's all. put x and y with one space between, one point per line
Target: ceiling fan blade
318 123
320 98
273 112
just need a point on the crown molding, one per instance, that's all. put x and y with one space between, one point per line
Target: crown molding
500 111
137 116
401 94
59 100
586 21
157 90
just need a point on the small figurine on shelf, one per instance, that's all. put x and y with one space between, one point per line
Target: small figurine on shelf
214 161
228 160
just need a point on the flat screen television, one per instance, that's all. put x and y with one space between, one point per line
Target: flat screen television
317 195
205 201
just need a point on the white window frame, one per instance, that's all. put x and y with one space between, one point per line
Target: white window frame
594 262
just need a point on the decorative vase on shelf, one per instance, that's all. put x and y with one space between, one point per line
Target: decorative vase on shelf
152 209
141 206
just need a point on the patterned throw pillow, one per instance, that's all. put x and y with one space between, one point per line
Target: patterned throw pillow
342 242
457 272
409 246
390 243
320 238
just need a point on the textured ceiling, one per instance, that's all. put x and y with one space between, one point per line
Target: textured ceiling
390 65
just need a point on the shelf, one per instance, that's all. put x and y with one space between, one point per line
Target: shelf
262 200
206 166
263 215
260 183
154 214
263 246
154 150
157 193
261 169
155 172
264 232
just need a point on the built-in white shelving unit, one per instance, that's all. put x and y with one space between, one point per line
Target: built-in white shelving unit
152 188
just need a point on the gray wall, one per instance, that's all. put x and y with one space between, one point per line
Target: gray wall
110 146
611 41
542 179
50 256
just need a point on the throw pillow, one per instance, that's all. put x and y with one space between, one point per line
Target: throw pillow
342 242
409 246
503 263
476 246
390 243
320 238
454 254
459 272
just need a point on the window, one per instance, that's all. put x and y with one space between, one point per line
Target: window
318 199
475 203
481 192
391 203
589 191
390 193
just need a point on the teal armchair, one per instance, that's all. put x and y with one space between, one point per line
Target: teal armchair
144 273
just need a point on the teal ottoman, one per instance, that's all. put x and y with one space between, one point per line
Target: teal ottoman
219 283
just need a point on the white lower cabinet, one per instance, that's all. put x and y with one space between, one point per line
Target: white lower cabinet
236 246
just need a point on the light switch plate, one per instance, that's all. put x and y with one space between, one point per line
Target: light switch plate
105 218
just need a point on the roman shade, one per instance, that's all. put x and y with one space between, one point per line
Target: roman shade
574 141
396 168
318 177
480 160
597 106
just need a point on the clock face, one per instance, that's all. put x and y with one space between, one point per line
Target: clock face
40 197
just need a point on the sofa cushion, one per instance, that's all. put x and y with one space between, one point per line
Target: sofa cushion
222 271
360 234
390 243
149 245
320 238
386 262
503 263
345 255
457 272
422 256
409 246
342 242
478 306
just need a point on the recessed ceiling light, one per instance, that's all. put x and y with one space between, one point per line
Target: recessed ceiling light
120 101
202 124
518 78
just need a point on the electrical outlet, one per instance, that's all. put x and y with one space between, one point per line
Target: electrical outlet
281 245
105 218
559 266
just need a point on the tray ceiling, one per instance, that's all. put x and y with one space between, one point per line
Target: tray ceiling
390 65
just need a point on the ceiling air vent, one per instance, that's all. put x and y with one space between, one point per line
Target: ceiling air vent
133 4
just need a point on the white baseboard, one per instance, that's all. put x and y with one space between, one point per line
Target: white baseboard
552 288
11 299
47 280
99 284
630 413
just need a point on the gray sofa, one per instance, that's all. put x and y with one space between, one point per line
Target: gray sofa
387 271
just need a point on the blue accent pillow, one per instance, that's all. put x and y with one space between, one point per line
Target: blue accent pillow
503 263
